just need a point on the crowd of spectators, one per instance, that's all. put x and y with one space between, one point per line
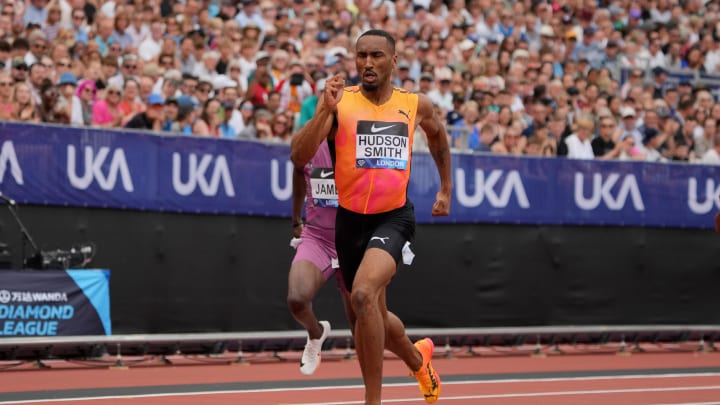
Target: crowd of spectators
577 78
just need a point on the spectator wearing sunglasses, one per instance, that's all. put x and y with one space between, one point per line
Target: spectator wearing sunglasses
37 47
105 111
128 70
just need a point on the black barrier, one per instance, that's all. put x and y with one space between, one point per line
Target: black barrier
205 273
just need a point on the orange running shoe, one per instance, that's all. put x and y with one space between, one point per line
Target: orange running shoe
428 379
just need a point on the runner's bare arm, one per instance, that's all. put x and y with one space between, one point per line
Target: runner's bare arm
440 150
306 141
298 200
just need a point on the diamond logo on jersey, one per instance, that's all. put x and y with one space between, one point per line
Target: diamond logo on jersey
322 187
382 145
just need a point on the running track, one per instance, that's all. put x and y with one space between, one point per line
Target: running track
641 378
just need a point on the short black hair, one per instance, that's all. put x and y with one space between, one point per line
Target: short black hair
381 33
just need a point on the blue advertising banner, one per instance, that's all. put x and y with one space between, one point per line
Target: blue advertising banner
131 170
54 302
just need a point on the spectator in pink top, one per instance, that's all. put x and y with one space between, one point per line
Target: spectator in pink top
106 112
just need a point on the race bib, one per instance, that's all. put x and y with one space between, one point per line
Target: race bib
322 187
382 145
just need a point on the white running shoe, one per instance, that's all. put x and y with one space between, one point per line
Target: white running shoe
311 356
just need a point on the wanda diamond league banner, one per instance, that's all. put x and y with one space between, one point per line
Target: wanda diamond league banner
54 303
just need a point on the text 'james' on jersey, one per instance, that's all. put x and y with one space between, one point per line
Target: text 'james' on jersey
322 187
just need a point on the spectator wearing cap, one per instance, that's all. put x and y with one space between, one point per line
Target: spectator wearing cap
67 85
152 118
545 39
19 70
628 124
466 50
425 83
186 116
402 73
587 48
260 86
659 82
261 64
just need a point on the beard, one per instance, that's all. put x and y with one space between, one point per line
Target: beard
370 86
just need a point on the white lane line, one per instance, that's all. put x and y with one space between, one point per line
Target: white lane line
334 387
530 394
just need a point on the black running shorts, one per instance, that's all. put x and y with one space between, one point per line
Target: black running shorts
355 233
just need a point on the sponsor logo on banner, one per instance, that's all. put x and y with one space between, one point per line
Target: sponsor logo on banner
34 313
281 193
9 160
602 191
139 171
93 169
511 186
197 175
711 196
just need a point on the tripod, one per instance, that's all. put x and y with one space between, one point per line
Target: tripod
26 238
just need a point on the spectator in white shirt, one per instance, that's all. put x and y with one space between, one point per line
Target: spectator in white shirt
712 156
578 144
151 46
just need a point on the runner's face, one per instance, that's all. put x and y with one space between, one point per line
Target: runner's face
375 61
